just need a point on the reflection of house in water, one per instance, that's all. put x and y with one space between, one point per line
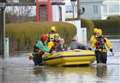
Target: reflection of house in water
100 9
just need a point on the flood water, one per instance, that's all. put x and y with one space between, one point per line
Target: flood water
19 69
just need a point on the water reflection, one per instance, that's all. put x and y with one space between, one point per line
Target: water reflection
21 70
40 73
24 73
84 74
101 71
63 74
64 70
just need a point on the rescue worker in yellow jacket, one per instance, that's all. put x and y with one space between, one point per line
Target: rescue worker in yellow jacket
53 35
101 45
96 30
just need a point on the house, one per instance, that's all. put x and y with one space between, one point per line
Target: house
55 10
60 10
100 9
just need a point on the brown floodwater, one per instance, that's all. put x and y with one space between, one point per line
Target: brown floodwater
21 70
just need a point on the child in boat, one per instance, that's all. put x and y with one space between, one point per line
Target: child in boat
57 45
60 45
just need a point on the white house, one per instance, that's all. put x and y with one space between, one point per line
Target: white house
100 9
59 10
69 10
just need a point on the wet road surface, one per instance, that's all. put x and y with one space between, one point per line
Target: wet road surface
21 70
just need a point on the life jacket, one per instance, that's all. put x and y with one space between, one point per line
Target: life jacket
53 36
37 51
51 44
100 43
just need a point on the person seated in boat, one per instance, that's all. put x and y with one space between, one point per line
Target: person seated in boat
76 45
53 38
60 45
57 45
40 48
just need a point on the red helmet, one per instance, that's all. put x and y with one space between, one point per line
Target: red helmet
44 37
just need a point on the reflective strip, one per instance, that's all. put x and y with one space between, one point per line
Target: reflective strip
102 50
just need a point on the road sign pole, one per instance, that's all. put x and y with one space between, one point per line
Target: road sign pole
2 28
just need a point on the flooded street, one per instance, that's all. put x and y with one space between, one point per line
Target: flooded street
21 70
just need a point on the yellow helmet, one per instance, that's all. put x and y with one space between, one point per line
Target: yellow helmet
95 30
53 28
100 31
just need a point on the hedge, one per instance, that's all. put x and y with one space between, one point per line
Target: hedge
22 36
109 26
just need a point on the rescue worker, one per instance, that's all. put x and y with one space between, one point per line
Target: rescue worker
53 35
53 38
101 44
40 48
95 30
92 39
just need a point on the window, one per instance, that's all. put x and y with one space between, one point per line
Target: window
95 9
69 9
105 9
114 8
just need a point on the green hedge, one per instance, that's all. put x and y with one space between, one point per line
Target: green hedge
89 25
114 17
23 35
109 26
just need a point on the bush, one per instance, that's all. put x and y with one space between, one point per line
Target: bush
116 17
89 25
111 26
23 35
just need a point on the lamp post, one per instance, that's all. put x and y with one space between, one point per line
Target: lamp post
37 11
78 9
2 27
73 6
2 35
